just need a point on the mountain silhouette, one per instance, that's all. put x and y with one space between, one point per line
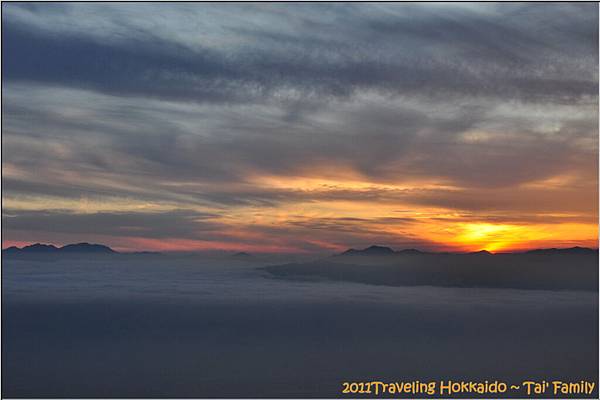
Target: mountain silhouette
378 251
384 251
86 248
570 250
39 248
545 269
370 251
11 250
481 252
410 251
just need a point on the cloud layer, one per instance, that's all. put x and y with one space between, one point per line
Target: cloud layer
264 123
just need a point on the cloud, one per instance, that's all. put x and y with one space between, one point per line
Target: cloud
328 51
179 223
97 137
236 110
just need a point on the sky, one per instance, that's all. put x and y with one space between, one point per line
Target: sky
306 128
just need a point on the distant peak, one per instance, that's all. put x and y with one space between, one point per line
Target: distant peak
371 250
39 247
379 248
241 254
570 250
410 251
86 248
11 249
69 248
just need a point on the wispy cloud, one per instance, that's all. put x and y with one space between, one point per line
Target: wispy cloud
300 113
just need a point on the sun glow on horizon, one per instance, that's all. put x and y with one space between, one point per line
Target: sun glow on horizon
507 237
320 214
298 136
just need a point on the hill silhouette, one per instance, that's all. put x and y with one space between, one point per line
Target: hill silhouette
370 251
40 248
376 250
570 250
86 248
546 269
75 248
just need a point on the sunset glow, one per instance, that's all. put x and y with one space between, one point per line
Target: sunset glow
289 139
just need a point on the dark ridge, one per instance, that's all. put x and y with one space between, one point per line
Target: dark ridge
570 250
241 254
40 248
11 250
381 250
78 248
567 269
86 248
410 251
370 251
482 252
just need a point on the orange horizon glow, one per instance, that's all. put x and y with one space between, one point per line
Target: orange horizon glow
141 245
466 237
326 214
311 137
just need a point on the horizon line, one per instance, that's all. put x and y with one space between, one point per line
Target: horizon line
242 250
